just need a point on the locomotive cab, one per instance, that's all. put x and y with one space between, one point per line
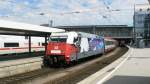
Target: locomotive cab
61 48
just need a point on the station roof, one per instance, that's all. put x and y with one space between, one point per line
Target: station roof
23 29
96 26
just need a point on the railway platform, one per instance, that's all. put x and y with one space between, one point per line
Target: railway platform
132 68
18 66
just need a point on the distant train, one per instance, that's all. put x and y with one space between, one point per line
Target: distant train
110 44
67 47
19 44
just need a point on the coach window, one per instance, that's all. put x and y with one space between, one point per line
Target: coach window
43 44
11 44
26 37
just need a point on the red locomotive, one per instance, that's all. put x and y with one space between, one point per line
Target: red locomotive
67 47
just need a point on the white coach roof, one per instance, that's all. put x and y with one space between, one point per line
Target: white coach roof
75 34
64 34
17 28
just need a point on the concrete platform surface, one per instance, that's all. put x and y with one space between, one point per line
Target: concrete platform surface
13 67
132 68
19 61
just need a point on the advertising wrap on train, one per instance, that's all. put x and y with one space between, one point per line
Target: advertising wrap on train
96 44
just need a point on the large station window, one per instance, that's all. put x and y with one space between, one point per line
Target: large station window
11 44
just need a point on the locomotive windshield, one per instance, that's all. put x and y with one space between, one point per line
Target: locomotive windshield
58 39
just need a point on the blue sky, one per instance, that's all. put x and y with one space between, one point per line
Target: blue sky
92 12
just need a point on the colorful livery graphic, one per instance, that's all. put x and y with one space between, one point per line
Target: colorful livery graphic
96 44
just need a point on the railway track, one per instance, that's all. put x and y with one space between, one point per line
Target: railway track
60 75
30 75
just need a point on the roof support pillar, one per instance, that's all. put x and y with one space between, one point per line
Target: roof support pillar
29 44
94 30
46 43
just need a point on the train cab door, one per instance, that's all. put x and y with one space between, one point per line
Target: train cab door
77 46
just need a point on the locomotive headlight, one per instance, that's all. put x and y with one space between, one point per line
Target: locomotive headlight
67 56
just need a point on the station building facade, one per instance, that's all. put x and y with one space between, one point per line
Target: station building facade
118 32
142 24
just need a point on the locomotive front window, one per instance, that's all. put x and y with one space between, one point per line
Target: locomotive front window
58 39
